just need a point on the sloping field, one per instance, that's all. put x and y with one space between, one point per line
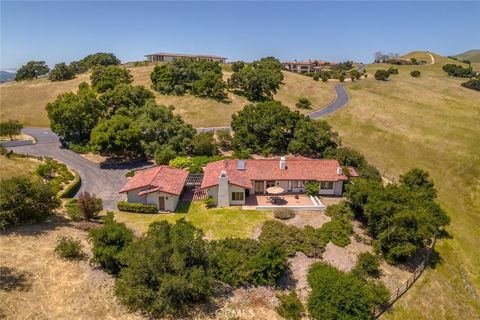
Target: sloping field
25 101
429 122
472 55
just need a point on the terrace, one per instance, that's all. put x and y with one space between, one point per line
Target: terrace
292 201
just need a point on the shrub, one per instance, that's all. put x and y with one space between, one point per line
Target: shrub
415 73
89 205
166 270
382 75
392 70
368 265
268 264
209 202
312 188
136 207
78 148
61 72
316 77
204 144
339 295
325 77
23 200
164 155
341 78
454 70
472 84
107 243
290 307
225 139
130 173
283 213
73 210
69 249
337 231
10 128
303 103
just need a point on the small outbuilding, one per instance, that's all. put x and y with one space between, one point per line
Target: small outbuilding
161 186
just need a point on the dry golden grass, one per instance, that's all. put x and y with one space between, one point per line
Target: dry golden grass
25 101
37 284
14 166
429 122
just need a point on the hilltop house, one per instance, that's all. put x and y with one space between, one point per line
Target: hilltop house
163 56
229 182
160 185
309 66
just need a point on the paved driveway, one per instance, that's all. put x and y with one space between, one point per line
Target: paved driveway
104 182
340 101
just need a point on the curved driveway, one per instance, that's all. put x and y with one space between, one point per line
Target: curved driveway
103 181
340 101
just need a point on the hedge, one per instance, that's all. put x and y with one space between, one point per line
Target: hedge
136 207
72 188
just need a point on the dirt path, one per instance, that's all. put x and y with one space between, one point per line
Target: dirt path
431 57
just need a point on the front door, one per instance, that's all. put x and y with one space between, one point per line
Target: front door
161 203
259 187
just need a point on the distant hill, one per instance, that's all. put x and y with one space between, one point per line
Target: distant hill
472 55
6 76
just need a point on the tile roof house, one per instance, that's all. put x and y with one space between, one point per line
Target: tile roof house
164 56
228 182
159 185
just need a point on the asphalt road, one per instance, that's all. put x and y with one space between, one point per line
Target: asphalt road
340 101
103 181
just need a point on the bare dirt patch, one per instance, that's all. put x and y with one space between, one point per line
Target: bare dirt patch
308 218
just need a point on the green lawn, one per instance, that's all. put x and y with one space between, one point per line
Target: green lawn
216 223
429 122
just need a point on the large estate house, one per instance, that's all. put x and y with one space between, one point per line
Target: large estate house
308 66
231 182
163 56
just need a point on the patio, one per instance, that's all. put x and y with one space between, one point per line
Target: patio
293 201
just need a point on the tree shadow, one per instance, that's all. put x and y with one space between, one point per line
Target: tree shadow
53 222
14 280
287 282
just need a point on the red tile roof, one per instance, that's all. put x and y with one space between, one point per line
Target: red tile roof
353 172
159 178
298 168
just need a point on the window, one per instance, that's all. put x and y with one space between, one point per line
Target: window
298 184
237 196
326 185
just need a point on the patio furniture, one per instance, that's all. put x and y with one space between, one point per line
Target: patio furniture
275 190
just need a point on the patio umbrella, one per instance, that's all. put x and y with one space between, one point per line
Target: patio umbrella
275 190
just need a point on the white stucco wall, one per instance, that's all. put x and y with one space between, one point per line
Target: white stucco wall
232 188
171 201
337 189
133 197
213 192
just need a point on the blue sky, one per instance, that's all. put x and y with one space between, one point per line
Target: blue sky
66 31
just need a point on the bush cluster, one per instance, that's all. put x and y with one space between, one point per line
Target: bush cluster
72 209
415 73
136 207
69 248
455 70
381 74
304 103
350 157
368 265
193 164
283 213
473 84
290 307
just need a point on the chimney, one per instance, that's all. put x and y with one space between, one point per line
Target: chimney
223 196
283 163
339 171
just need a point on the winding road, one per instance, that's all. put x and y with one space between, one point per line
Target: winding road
105 181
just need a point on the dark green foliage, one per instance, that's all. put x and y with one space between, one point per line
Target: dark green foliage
23 200
472 84
259 80
312 138
325 77
303 103
32 70
392 70
401 217
351 157
160 127
339 229
10 128
46 170
72 188
382 75
56 173
312 188
69 249
72 209
455 70
125 99
108 242
100 59
415 73
290 307
193 164
283 213
130 173
264 128
225 140
166 270
136 207
339 295
368 265
164 155
355 74
341 78
247 262
201 78
61 72
316 77
209 202
237 66
118 135
342 66
106 78
89 205
73 115
204 144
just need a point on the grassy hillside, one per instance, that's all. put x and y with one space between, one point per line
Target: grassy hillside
25 101
472 55
429 122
